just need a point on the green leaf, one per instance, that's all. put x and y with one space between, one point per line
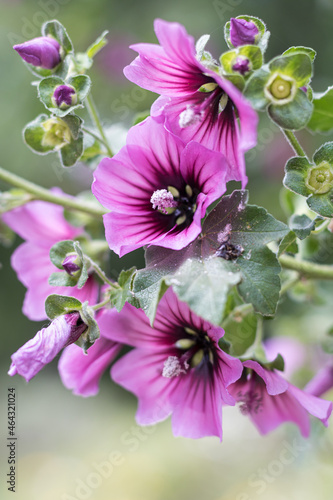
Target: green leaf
302 225
298 66
254 90
201 276
82 85
57 31
240 330
295 114
119 296
95 47
301 50
322 116
33 134
62 279
72 152
322 204
92 333
288 244
261 283
74 123
57 305
297 169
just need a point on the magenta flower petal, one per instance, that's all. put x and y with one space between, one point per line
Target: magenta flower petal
321 382
136 185
46 344
177 367
173 71
270 401
82 372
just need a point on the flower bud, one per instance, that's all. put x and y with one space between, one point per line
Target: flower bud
72 263
57 133
242 32
43 51
64 96
242 65
46 344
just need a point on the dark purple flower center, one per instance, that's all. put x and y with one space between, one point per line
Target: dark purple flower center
179 205
194 349
251 402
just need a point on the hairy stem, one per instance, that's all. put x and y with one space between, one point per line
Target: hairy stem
293 141
43 194
95 118
307 268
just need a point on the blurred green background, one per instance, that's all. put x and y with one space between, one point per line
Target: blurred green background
63 440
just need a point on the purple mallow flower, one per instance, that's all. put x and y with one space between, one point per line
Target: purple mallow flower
197 103
46 344
242 32
43 51
64 96
82 372
42 225
176 368
269 400
157 189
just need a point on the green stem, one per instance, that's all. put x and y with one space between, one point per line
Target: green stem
95 136
289 284
293 141
43 194
307 268
322 226
94 116
100 273
101 304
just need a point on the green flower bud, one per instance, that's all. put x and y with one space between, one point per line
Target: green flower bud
320 178
57 133
280 89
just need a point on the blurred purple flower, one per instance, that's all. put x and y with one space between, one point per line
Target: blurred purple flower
176 368
43 51
42 225
157 189
46 344
321 382
207 116
269 400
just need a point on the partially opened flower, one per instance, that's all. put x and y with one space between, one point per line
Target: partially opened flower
42 225
176 368
82 372
47 343
157 189
197 102
269 400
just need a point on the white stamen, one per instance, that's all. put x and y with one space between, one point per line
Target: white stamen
162 199
173 368
189 117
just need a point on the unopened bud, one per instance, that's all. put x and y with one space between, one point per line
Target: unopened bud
43 52
64 96
72 263
242 32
